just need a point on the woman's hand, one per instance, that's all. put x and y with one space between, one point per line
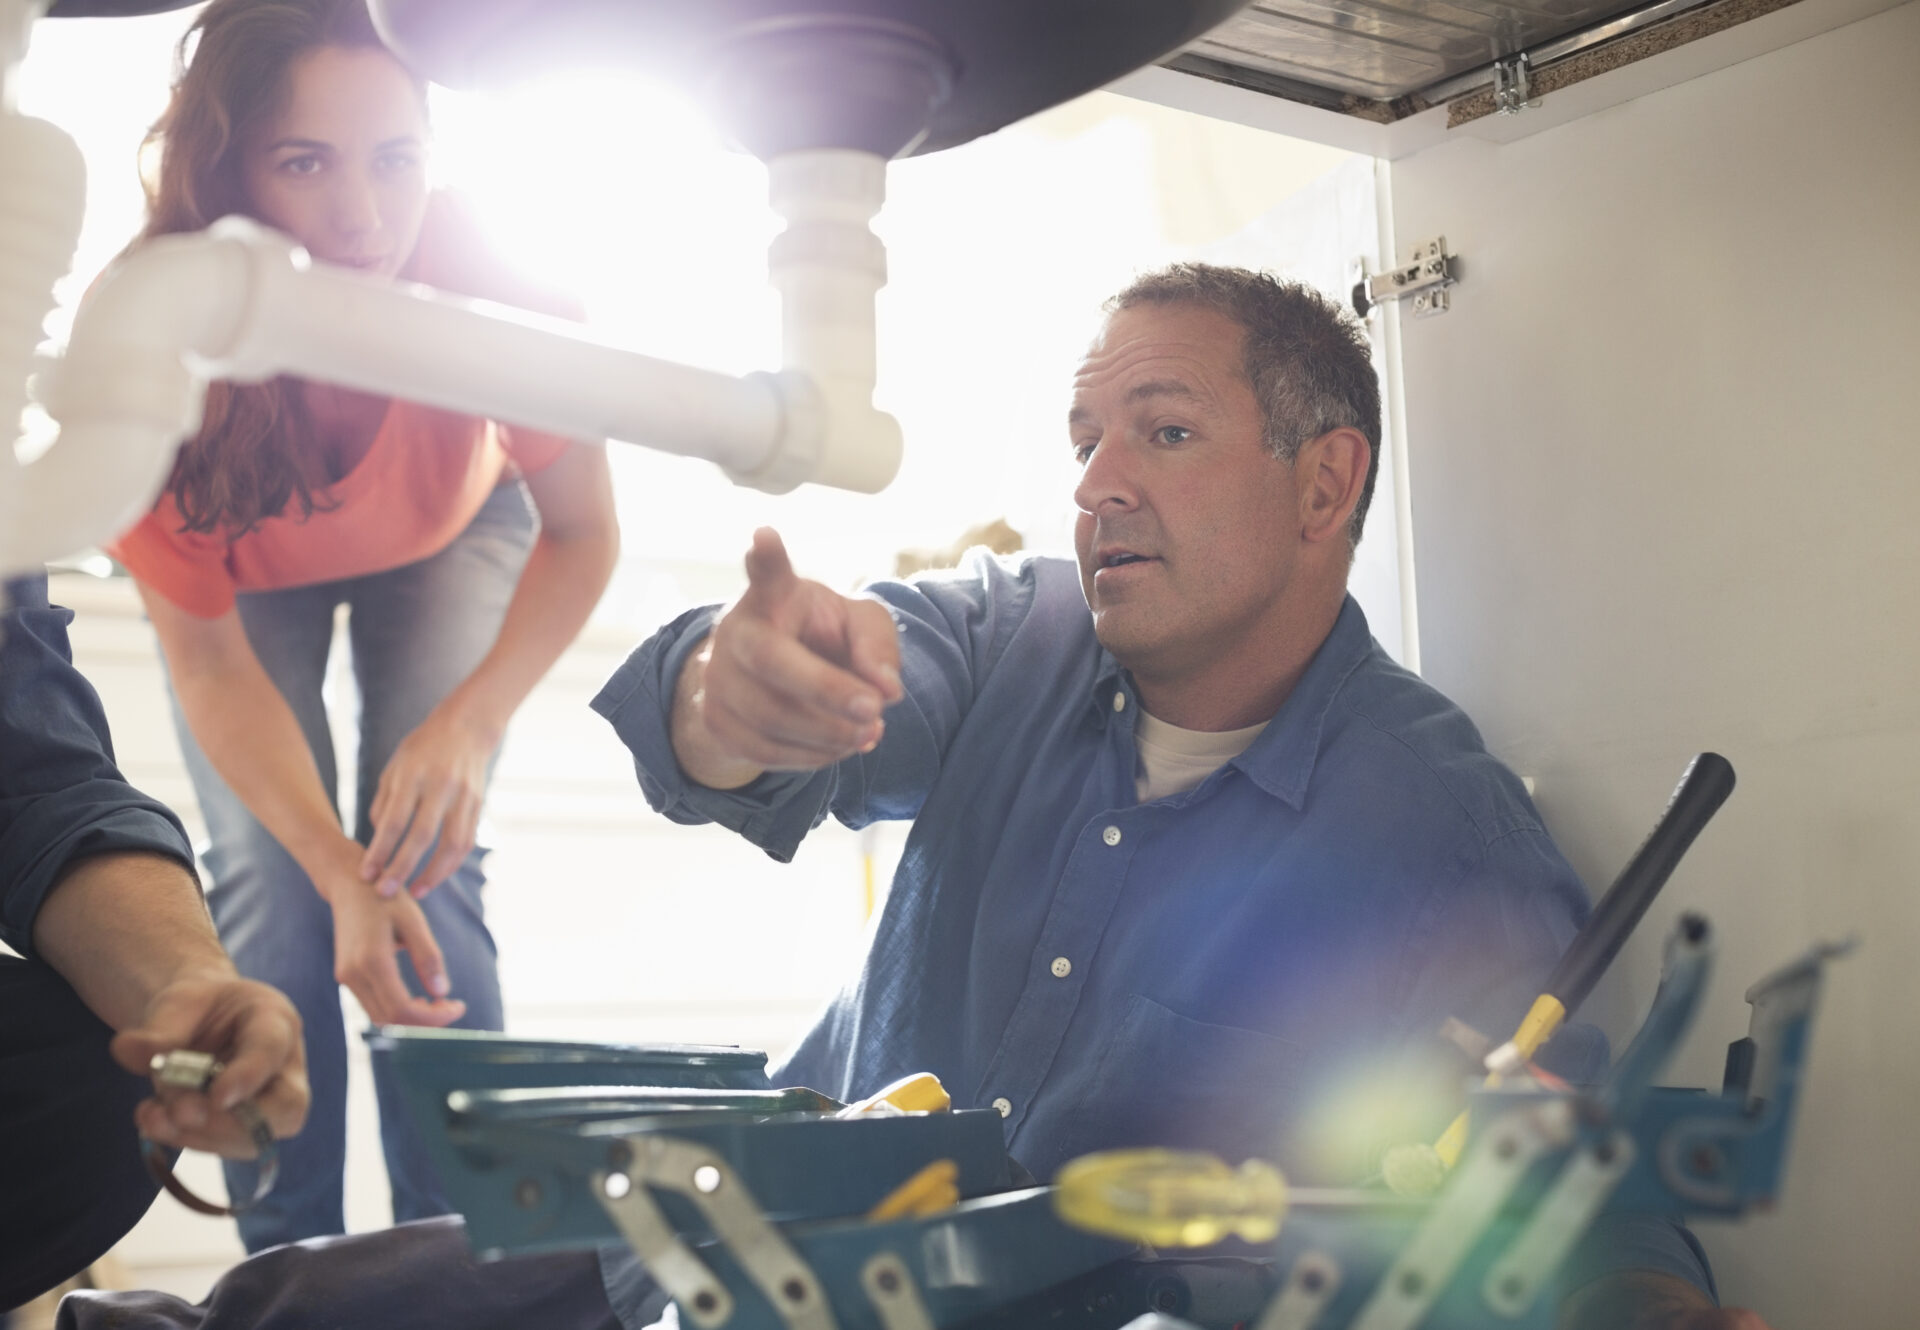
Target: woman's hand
432 788
368 933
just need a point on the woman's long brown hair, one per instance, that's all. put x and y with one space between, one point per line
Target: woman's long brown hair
230 72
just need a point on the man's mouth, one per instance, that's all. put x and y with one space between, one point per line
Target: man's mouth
1120 558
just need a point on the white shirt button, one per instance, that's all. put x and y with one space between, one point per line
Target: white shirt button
1111 835
1061 967
1119 701
1004 1107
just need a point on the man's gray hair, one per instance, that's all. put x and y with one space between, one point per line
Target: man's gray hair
1305 356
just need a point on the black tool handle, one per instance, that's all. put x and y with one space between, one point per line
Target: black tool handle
1705 785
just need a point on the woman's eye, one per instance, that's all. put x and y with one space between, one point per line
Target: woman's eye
1173 434
305 164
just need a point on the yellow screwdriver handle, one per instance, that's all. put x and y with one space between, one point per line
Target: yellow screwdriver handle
918 1093
933 1189
1171 1198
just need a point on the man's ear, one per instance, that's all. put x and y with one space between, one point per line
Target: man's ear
1331 472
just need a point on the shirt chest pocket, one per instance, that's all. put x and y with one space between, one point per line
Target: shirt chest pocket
1168 1080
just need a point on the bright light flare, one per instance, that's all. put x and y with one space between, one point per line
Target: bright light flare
621 193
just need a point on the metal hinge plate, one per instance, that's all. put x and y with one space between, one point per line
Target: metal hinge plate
1425 279
1513 85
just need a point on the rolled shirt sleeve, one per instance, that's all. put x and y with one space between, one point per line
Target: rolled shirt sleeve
638 702
62 799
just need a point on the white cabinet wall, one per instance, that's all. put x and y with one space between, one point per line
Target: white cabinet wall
1663 466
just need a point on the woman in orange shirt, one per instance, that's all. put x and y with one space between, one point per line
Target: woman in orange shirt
297 498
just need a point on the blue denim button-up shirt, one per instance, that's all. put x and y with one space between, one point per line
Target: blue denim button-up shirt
61 797
1257 966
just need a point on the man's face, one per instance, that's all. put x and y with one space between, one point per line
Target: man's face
1188 528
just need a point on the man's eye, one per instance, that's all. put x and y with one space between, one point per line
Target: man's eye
1172 434
1081 452
400 161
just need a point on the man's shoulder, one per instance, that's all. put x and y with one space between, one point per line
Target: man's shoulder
1038 593
1416 749
1048 579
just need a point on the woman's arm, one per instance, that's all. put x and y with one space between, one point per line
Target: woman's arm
433 784
249 733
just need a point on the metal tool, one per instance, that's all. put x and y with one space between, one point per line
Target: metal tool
1171 1198
186 1069
789 1190
1703 787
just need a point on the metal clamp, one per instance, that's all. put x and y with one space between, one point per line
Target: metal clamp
890 1288
1513 85
187 1069
1557 1223
1493 1167
704 1178
699 1292
1310 1286
1426 279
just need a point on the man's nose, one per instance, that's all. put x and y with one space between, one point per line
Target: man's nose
1106 480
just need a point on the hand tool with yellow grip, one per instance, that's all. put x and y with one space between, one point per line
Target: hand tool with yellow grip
1704 786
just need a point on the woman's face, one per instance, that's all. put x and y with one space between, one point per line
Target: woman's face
342 167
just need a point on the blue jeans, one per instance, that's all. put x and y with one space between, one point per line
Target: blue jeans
415 632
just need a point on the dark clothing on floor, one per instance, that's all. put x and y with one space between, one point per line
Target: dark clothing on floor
355 1278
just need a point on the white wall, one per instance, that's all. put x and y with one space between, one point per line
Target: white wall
1663 469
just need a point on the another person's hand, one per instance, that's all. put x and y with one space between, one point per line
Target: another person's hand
251 1028
432 787
1647 1300
368 933
794 677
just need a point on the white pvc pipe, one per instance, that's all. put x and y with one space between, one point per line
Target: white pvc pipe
98 480
241 302
125 394
16 27
828 266
42 197
484 359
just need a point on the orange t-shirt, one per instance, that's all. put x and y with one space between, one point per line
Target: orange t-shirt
422 480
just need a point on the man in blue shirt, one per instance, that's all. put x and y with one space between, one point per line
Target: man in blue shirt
98 894
1202 867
